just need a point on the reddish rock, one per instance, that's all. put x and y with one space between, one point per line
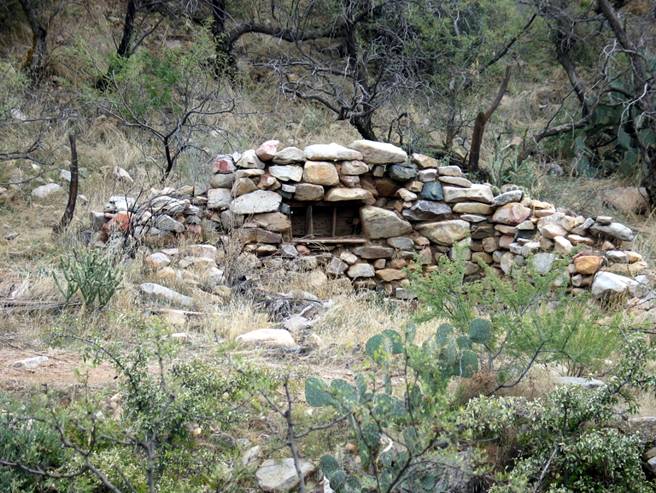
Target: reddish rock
223 163
267 150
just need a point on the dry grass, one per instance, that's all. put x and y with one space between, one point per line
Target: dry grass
235 318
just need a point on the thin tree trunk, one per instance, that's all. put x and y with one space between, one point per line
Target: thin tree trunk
225 62
124 49
643 91
479 126
36 60
72 188
169 159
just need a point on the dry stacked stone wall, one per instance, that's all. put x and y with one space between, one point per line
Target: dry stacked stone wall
367 210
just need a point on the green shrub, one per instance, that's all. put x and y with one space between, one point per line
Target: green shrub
410 429
159 434
568 440
90 273
530 318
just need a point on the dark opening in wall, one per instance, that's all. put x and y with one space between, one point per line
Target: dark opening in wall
326 220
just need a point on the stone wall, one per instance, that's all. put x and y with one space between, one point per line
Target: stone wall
397 208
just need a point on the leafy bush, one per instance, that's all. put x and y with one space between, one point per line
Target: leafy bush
156 434
568 440
408 424
91 273
530 318
403 432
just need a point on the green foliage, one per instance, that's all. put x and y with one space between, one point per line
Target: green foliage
412 419
519 320
569 440
92 274
159 431
13 85
500 326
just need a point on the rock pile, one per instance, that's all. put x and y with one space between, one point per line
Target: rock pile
396 209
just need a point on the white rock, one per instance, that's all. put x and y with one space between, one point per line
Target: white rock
249 160
280 475
29 363
256 202
379 152
65 175
218 198
287 173
607 283
587 383
542 262
167 223
331 152
296 323
201 250
268 337
157 261
477 193
45 191
289 155
361 270
251 456
121 175
162 293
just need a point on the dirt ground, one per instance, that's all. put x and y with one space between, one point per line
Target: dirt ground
63 369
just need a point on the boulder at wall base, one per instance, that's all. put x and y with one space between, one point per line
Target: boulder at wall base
608 284
256 202
373 252
361 270
445 232
615 230
280 475
379 152
382 223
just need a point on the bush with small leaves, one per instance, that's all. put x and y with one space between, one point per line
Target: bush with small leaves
568 440
526 319
154 434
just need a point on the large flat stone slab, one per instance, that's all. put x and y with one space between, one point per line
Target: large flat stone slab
256 202
379 152
331 152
